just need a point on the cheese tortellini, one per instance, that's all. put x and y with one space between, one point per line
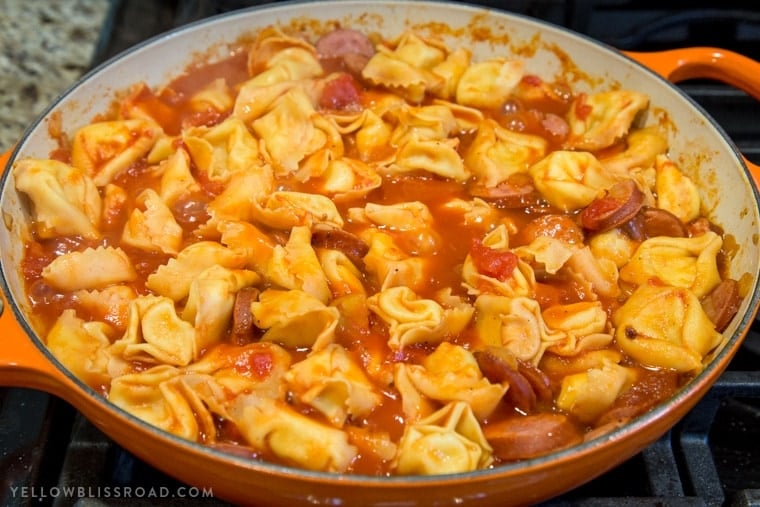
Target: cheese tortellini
65 198
665 327
448 441
680 262
363 252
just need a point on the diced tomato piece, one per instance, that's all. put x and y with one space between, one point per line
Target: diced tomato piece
582 109
340 92
491 262
207 118
532 79
255 364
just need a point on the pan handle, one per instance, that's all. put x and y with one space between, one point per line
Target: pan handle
706 63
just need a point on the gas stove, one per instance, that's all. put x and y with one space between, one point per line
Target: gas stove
51 455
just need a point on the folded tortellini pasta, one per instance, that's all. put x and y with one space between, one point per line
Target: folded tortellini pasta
256 367
676 192
156 334
392 266
588 394
550 253
412 319
598 120
410 223
436 157
92 268
642 148
157 396
110 305
287 209
570 180
105 149
347 178
274 427
289 132
65 198
223 149
689 263
153 229
295 318
177 180
81 347
211 299
331 381
407 67
515 323
497 153
665 327
434 122
180 402
451 373
174 278
488 83
241 197
342 275
295 265
448 441
216 96
585 324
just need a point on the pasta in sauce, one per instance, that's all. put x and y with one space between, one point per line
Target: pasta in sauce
374 256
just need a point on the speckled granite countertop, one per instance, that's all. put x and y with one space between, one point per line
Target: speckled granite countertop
45 45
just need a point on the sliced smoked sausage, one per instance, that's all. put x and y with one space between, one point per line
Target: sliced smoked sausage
652 222
527 384
620 204
333 238
242 318
722 303
351 47
524 437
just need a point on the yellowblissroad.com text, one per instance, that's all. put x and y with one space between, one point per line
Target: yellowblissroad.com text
42 493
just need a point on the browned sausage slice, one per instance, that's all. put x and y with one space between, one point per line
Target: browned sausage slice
242 318
660 222
652 389
353 47
538 380
527 384
551 225
518 191
529 436
699 226
334 238
556 126
652 222
502 367
621 203
722 303
344 41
